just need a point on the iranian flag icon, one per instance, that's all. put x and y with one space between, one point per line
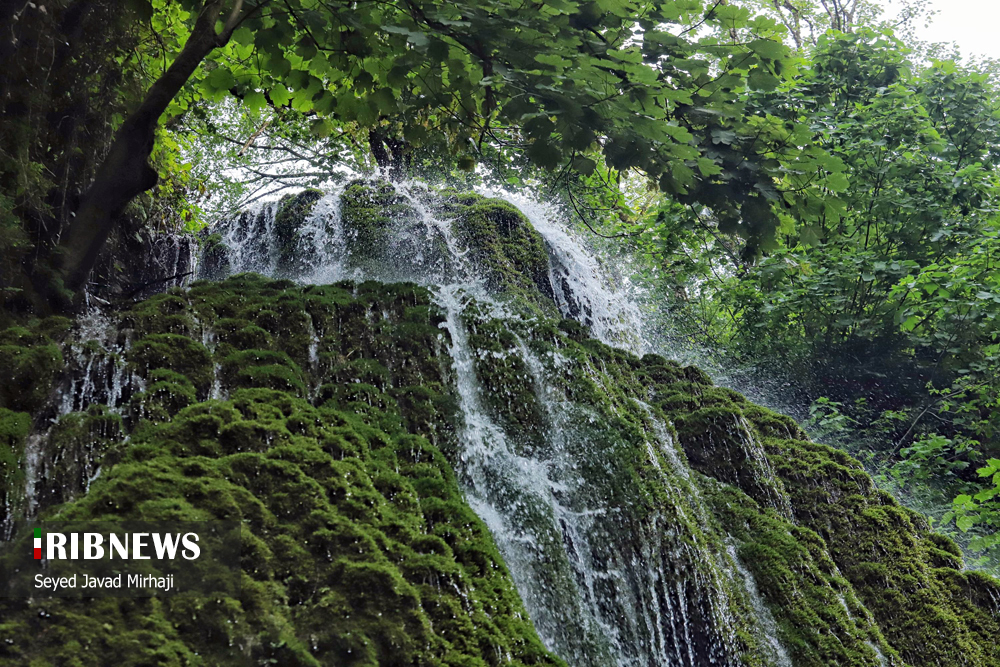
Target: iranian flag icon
38 544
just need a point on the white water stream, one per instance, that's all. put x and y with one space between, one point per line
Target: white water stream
597 595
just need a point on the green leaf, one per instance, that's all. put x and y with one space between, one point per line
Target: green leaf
761 79
243 35
220 79
584 165
321 128
766 48
553 60
837 182
280 95
254 100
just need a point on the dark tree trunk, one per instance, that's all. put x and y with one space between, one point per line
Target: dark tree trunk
390 154
125 172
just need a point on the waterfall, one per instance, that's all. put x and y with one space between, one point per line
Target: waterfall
777 652
645 516
581 285
96 374
602 587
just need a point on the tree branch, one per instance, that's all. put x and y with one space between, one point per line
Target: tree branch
125 172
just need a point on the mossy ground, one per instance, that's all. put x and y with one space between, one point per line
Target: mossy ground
851 577
325 419
358 546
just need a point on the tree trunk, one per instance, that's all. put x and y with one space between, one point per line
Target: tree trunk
390 154
125 172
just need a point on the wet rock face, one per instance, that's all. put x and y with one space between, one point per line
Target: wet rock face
14 430
508 250
721 443
137 263
386 237
329 411
451 474
292 210
374 229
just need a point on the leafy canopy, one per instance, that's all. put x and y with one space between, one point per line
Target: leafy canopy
561 85
880 302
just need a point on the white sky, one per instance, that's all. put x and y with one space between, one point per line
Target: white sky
973 24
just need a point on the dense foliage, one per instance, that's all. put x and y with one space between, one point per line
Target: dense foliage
884 309
658 87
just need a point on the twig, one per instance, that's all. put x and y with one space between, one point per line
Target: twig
155 282
254 136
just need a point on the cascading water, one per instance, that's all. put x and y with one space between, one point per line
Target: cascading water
603 586
97 374
580 285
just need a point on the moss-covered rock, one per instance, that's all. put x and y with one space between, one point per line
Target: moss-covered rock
386 236
504 247
177 353
167 393
359 548
73 451
292 212
850 577
328 420
882 561
14 430
891 559
30 361
215 263
819 617
720 442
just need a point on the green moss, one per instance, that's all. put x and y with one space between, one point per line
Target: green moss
167 313
75 447
387 237
29 363
14 429
359 547
167 394
719 442
889 557
292 213
506 248
55 327
265 369
819 618
176 353
242 335
841 566
847 537
335 449
510 389
214 257
383 227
